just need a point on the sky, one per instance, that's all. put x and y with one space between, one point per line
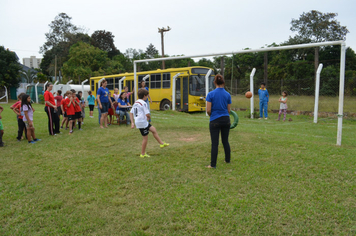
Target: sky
197 27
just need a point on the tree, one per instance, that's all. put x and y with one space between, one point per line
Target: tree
9 68
104 40
30 75
151 51
318 27
86 60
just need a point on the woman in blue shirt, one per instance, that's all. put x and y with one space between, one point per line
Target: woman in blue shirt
218 108
122 107
104 102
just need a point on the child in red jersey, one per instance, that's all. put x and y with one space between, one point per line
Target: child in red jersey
70 104
64 110
21 125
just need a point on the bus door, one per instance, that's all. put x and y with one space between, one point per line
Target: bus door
185 89
182 93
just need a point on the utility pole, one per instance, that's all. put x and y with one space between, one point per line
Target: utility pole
55 68
161 31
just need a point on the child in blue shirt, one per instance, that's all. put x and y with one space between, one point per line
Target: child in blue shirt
264 99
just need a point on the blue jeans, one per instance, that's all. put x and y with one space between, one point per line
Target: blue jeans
122 114
263 108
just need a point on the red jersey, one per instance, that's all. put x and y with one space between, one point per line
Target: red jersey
18 106
77 107
63 102
70 109
48 97
59 100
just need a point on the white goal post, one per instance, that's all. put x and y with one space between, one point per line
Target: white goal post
289 47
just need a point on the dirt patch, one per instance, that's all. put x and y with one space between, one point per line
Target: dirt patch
191 138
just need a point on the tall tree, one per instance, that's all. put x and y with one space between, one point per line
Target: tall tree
9 68
319 27
151 51
104 40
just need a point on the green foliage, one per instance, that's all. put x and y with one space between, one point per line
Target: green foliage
41 98
9 68
30 75
317 27
104 40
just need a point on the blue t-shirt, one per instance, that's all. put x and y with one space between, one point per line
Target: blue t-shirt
219 99
104 94
147 97
91 100
121 102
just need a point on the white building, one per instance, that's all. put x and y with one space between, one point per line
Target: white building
32 62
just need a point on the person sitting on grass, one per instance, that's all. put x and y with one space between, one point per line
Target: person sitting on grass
28 118
122 108
1 128
141 114
264 99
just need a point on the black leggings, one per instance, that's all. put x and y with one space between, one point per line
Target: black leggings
52 119
22 127
220 124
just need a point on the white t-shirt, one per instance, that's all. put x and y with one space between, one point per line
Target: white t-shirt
139 111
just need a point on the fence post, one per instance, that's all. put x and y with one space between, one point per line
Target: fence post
251 90
317 87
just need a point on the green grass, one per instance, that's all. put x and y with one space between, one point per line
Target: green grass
299 103
285 178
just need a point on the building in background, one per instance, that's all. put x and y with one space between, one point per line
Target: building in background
32 62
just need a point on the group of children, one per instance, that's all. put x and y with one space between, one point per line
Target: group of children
264 99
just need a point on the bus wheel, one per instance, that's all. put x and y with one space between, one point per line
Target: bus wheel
165 105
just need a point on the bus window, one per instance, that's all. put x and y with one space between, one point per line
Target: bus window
116 80
197 85
166 82
92 85
155 81
110 85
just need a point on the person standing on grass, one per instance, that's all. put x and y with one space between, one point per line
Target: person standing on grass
283 106
78 111
82 105
141 114
91 102
28 111
21 125
218 106
64 111
111 109
1 128
51 110
104 103
58 100
70 104
264 99
143 86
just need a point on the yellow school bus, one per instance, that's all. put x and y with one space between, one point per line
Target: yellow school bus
190 87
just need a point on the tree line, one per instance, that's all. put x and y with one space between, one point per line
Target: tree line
79 56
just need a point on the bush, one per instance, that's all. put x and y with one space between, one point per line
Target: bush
41 97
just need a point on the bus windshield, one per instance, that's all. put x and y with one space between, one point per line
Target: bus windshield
197 85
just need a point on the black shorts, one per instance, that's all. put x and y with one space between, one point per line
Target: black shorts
59 111
71 117
145 131
78 115
91 107
104 107
65 114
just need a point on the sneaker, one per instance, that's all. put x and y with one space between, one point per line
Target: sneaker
32 142
143 156
2 144
36 140
61 127
266 118
260 118
80 129
82 123
70 132
164 145
66 128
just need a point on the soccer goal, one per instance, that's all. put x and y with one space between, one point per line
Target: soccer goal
5 95
289 47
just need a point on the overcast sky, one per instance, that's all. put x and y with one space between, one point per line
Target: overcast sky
198 27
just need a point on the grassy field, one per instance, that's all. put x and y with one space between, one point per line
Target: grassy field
300 103
284 178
